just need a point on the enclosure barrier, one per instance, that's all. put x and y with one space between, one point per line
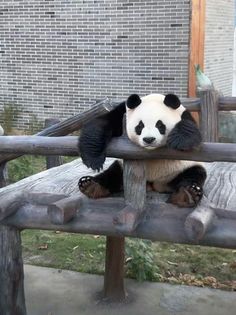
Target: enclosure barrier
134 215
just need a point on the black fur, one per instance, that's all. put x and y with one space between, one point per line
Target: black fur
193 175
95 136
187 115
138 129
133 101
171 100
161 127
111 178
185 135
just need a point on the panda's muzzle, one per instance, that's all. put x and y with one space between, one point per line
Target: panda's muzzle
149 140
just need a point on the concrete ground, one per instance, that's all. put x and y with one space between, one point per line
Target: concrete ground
55 292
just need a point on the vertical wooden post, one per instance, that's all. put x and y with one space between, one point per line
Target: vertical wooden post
3 174
12 297
135 184
209 115
114 289
52 160
134 181
196 47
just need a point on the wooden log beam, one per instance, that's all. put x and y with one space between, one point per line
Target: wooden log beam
64 210
164 223
120 147
227 103
71 124
192 104
200 220
10 203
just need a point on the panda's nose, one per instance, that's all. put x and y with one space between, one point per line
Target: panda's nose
148 140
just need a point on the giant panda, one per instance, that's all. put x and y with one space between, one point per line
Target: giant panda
152 121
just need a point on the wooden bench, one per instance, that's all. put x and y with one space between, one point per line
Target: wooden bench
51 200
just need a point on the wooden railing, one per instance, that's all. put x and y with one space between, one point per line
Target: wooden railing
125 215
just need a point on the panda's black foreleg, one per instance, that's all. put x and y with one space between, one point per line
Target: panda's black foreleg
96 134
102 185
188 187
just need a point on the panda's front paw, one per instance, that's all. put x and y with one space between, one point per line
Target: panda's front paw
94 162
187 197
92 189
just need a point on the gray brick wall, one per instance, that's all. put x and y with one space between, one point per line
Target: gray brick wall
219 43
57 57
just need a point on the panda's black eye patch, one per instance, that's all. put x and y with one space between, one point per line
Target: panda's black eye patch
161 127
139 128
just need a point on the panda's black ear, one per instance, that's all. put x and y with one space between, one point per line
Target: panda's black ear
133 101
171 100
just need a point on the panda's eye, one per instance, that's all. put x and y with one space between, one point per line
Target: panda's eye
139 128
161 127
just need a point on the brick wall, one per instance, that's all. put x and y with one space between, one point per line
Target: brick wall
57 57
219 42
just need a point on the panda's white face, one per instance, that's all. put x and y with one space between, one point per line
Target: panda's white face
149 124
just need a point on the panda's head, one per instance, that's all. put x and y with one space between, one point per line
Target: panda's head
156 120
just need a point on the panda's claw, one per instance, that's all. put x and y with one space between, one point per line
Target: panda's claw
95 163
91 188
196 191
84 182
187 197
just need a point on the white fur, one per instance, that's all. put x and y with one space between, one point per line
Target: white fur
150 111
165 170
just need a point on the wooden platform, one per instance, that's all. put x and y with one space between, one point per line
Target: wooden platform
162 222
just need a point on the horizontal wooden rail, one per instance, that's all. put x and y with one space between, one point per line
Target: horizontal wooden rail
96 216
71 124
227 103
224 103
118 148
192 104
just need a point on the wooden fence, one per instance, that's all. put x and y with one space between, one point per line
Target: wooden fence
114 217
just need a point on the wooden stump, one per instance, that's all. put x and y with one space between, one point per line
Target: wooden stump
114 290
12 297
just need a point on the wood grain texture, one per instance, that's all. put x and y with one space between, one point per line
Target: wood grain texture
12 297
114 288
10 203
227 103
163 223
52 160
209 124
120 147
64 210
134 181
200 220
71 124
